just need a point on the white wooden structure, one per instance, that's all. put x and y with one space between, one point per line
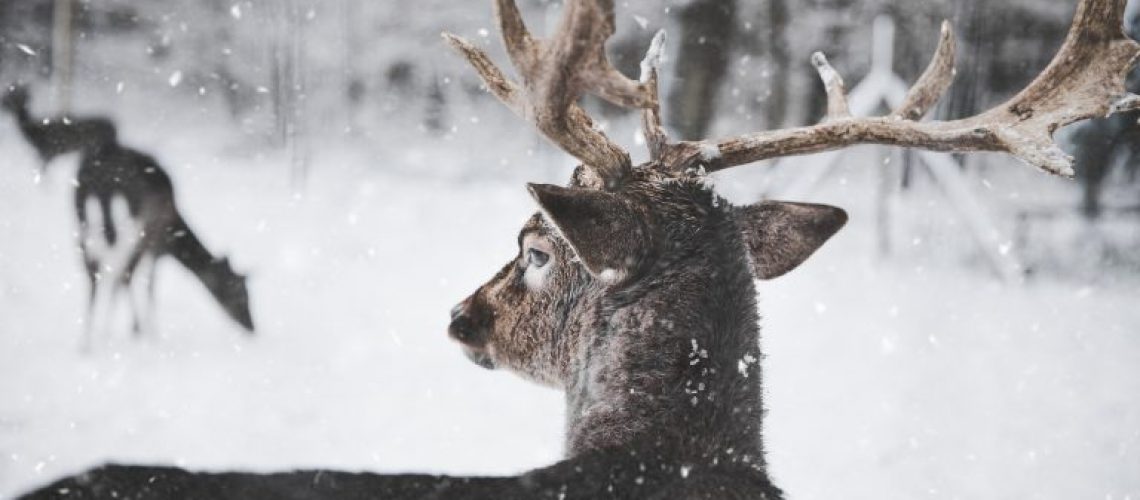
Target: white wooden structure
882 86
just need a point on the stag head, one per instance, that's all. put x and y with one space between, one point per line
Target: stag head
618 229
586 247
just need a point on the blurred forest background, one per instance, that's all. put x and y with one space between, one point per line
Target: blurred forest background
300 77
349 58
972 333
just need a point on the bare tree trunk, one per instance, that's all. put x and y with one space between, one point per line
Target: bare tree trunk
298 133
707 29
5 16
236 93
289 103
353 80
284 69
280 69
436 110
777 102
62 53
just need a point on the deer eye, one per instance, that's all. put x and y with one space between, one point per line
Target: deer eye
536 257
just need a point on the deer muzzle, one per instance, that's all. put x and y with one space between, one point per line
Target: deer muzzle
471 333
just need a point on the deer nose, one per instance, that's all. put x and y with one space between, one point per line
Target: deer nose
463 326
463 329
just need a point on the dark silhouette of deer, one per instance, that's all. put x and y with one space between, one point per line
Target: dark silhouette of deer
56 136
124 202
632 289
128 219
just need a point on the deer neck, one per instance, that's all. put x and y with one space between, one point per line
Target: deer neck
185 247
675 361
27 126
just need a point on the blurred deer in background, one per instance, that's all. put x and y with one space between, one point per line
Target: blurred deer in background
124 203
127 217
632 289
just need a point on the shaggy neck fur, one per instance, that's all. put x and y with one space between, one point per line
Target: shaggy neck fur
674 358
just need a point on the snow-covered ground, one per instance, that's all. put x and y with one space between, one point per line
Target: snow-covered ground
918 378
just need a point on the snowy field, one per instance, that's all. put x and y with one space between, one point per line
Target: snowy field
917 378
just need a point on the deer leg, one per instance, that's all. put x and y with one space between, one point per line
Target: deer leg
91 265
94 245
123 257
151 308
131 283
100 307
142 296
99 312
115 287
88 320
110 259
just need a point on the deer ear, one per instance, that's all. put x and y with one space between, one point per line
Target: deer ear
781 235
605 233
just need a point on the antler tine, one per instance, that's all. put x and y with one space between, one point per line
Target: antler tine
497 83
555 72
599 77
655 137
520 45
1084 80
670 156
833 83
934 80
572 129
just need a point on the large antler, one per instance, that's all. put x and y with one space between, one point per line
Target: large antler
555 72
1084 80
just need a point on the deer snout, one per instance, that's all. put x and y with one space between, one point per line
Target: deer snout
462 329
464 326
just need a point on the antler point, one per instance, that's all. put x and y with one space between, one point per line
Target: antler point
818 59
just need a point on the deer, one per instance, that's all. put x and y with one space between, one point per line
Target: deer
633 286
128 219
55 136
124 204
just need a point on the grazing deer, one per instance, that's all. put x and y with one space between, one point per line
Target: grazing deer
53 137
127 217
632 289
124 202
